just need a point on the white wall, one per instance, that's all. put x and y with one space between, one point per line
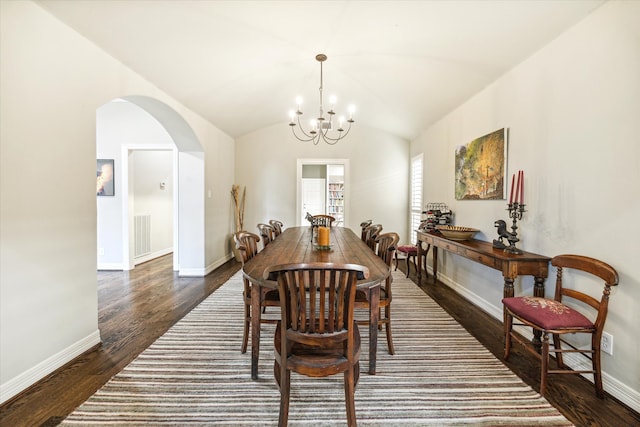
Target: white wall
573 110
150 169
52 81
266 162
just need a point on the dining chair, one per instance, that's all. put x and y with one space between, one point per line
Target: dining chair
411 254
323 220
247 244
277 227
553 316
371 234
386 246
363 227
317 335
267 233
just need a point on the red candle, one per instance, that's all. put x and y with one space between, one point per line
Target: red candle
522 189
513 178
517 188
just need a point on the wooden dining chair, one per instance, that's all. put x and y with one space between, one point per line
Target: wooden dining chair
410 253
317 335
553 316
371 234
386 246
267 233
247 245
277 227
323 220
363 227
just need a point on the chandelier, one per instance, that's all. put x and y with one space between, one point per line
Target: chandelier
321 128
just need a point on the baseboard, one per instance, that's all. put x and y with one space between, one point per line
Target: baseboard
110 266
201 272
611 385
153 255
23 381
218 263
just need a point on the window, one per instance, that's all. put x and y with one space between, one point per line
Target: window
415 202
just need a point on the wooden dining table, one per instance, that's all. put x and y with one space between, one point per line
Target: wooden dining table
295 245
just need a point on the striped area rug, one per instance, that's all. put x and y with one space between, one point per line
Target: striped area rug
195 375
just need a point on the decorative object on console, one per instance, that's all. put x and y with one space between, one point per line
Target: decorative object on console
456 232
436 214
321 126
516 211
480 168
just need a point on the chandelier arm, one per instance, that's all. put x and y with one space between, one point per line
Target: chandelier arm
326 137
307 135
307 139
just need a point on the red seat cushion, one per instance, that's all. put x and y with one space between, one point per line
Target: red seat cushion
547 313
411 250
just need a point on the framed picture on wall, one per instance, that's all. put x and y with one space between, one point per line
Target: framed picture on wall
481 167
104 177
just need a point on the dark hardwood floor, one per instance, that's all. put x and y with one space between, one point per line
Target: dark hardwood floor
137 307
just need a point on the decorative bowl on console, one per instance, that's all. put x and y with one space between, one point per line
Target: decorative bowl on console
456 232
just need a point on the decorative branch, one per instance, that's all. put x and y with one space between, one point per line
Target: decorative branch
239 205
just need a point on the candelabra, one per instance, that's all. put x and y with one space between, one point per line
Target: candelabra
516 210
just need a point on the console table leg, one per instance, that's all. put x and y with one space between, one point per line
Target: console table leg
507 293
435 264
419 264
538 291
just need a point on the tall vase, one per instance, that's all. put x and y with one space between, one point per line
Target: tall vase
236 252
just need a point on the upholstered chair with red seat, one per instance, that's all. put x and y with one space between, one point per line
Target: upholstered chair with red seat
569 312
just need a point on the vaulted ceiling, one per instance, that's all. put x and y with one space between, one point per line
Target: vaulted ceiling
240 64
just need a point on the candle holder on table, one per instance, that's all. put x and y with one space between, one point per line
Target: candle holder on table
516 210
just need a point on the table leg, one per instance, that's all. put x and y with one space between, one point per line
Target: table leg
538 291
423 253
419 266
255 329
374 313
435 263
507 292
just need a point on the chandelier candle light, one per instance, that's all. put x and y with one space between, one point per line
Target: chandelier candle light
320 126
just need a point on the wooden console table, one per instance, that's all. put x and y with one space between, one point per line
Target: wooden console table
511 266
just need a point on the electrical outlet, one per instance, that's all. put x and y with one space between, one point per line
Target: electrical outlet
606 343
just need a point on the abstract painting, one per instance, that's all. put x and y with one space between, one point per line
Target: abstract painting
481 167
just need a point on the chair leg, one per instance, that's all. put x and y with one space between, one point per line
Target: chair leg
349 392
508 325
408 270
247 323
557 344
387 313
285 388
544 369
595 362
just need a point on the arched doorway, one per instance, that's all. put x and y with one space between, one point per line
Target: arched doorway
188 167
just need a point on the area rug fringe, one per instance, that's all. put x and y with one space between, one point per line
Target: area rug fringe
195 375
